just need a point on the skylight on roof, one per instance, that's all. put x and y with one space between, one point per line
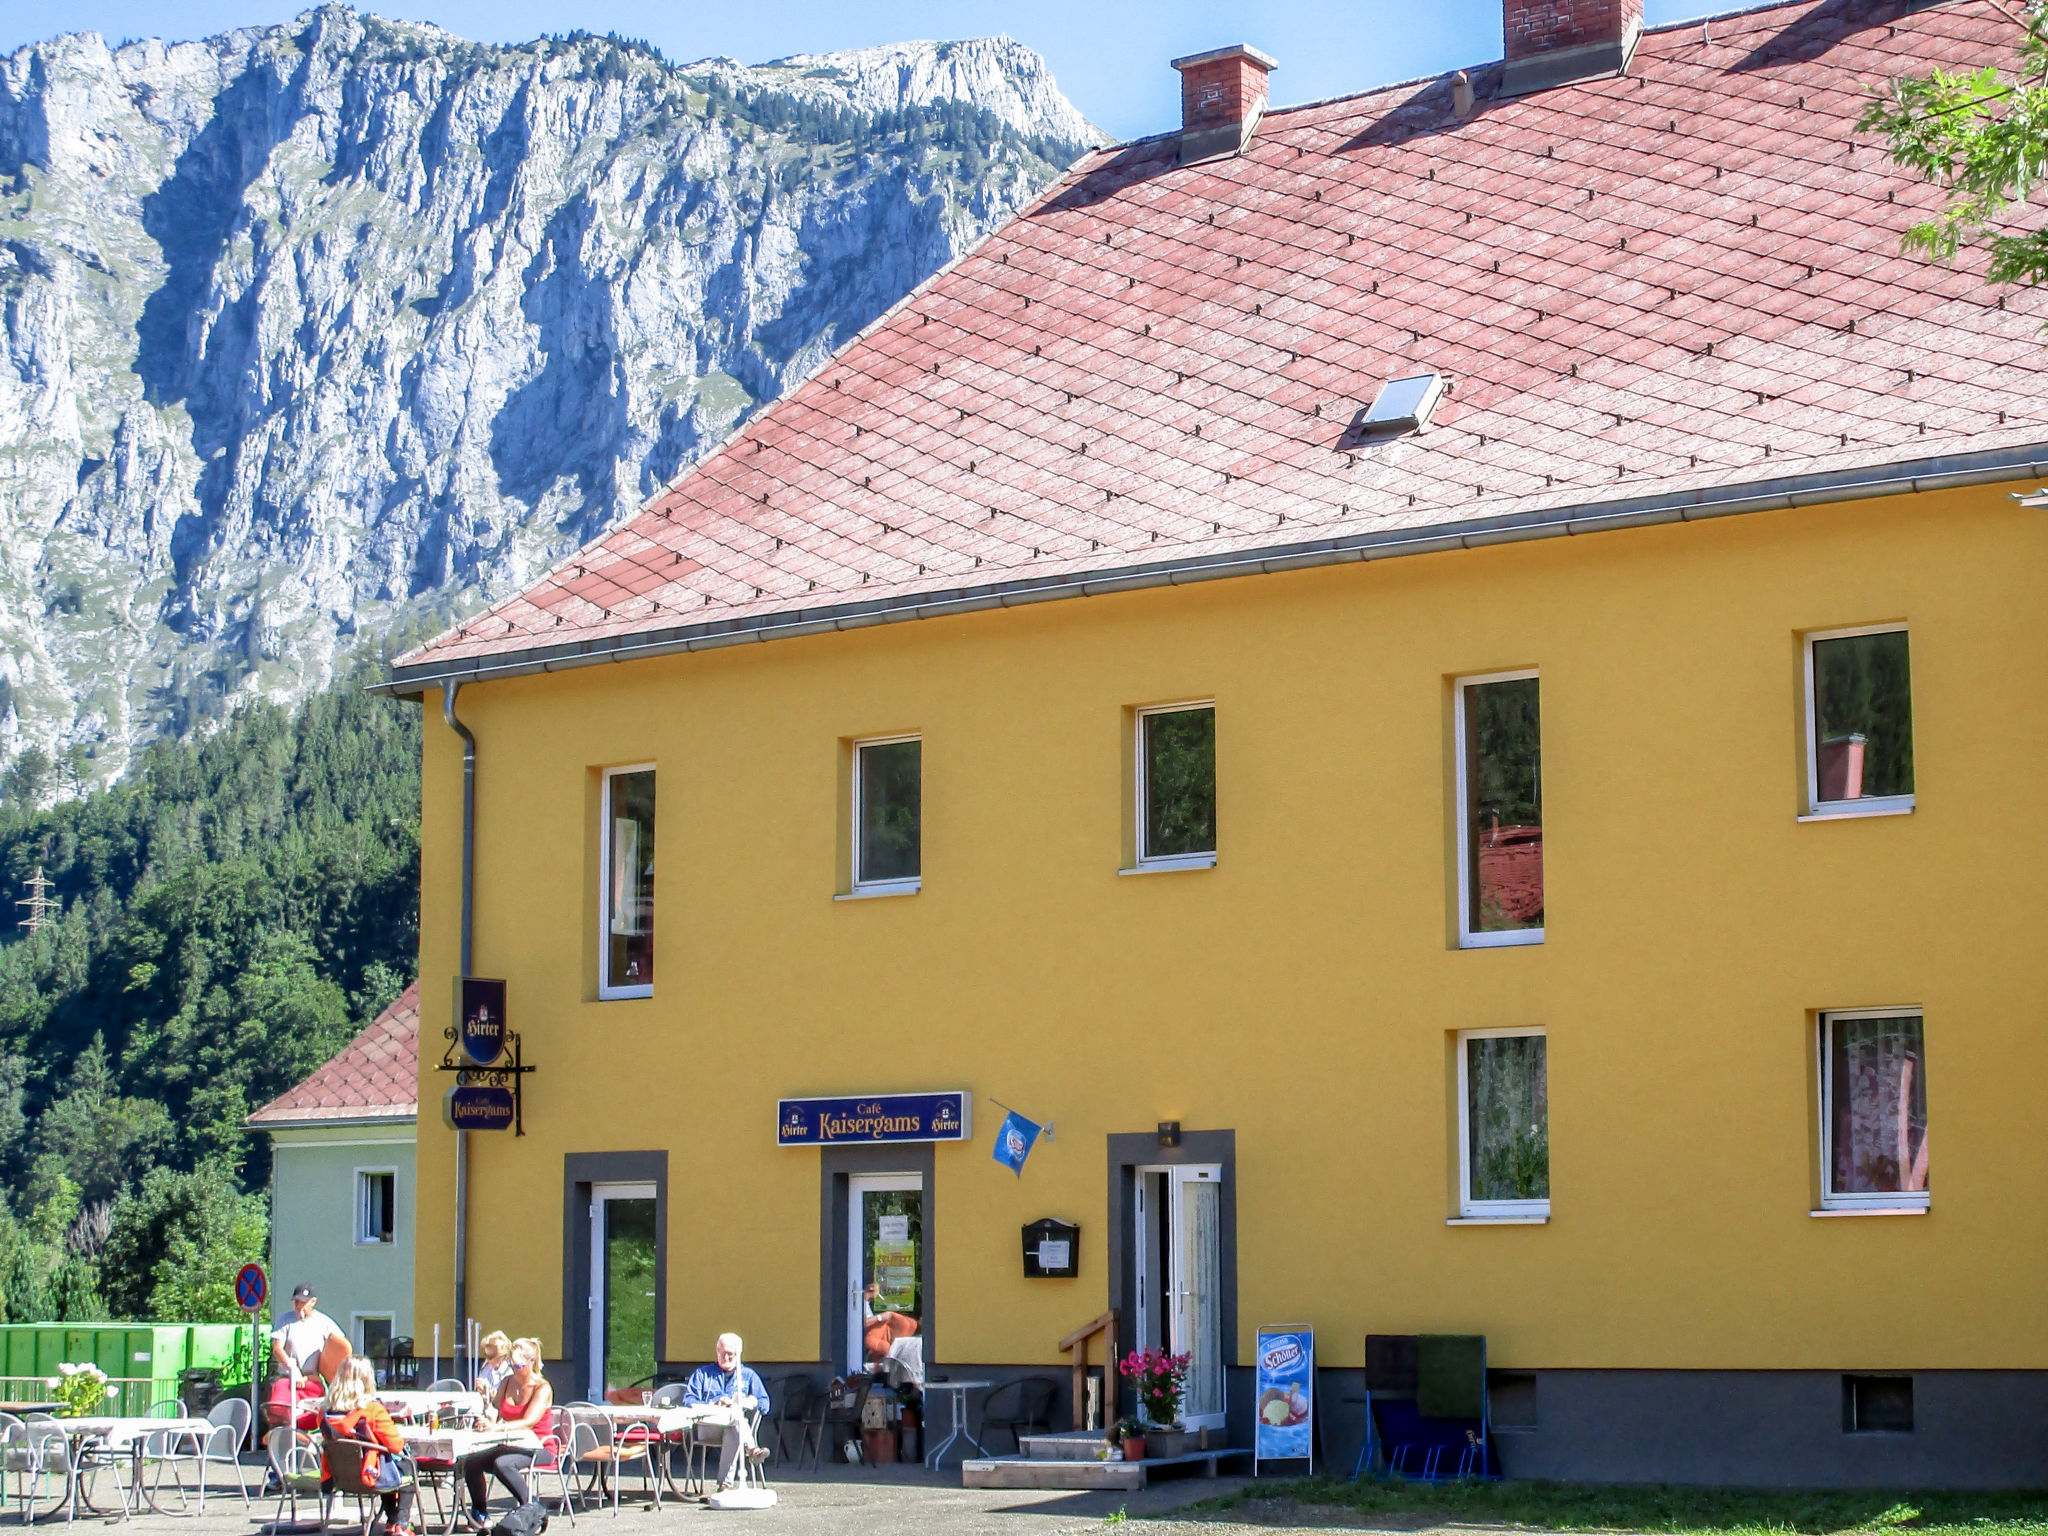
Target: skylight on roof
1403 405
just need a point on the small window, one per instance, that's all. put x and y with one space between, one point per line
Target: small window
1500 825
888 815
376 1206
626 886
1504 1140
1859 749
1873 1110
373 1337
1877 1405
1177 786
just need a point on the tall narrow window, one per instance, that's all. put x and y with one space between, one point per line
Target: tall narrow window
376 1205
626 923
1500 823
888 815
1859 721
1873 1110
1177 786
1504 1141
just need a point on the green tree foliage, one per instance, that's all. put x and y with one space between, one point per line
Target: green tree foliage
229 914
1981 135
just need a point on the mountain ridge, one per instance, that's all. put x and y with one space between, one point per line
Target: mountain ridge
334 328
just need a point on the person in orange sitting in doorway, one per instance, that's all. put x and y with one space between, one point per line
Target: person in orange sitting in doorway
878 1330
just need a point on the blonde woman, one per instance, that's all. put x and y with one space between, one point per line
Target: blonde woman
497 1364
352 1412
524 1401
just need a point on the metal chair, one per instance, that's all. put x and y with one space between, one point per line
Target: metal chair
26 1456
605 1454
346 1461
792 1396
1020 1407
550 1459
296 1462
839 1404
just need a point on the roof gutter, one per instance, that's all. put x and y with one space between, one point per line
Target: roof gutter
1947 472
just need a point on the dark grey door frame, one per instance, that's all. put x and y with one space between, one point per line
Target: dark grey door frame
580 1170
837 1165
1128 1153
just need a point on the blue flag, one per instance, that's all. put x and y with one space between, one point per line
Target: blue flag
1014 1139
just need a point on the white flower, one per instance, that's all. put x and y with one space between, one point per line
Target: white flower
112 1389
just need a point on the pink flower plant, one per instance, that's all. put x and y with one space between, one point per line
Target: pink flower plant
1157 1378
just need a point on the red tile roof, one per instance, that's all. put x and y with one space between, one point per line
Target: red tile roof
374 1077
1684 284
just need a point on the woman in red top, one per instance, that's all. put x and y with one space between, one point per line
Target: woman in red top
353 1413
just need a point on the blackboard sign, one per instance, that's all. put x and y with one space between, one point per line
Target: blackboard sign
1052 1250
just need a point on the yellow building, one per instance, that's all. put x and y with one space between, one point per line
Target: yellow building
1472 645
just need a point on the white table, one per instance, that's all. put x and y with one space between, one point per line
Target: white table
453 1444
118 1433
959 1390
417 1405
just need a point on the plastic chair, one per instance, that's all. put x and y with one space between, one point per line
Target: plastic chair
449 1384
26 1455
1020 1407
345 1463
222 1445
296 1463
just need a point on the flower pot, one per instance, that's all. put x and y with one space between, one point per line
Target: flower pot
878 1447
1166 1442
1134 1447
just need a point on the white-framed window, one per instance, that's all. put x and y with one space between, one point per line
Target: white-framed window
1503 1125
1176 786
1873 1109
376 1205
888 815
1859 721
625 884
1499 747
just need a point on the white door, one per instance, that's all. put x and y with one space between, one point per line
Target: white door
622 1270
885 1247
1177 1264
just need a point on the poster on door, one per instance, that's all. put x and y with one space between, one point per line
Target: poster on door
895 1257
1284 1394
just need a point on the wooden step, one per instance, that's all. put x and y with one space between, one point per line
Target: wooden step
1075 1445
1022 1472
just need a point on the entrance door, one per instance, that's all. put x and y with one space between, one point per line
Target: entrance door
1179 1273
622 1270
886 1249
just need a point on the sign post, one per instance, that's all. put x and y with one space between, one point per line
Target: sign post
252 1288
1284 1394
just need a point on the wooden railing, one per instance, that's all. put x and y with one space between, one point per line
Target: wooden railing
1077 1341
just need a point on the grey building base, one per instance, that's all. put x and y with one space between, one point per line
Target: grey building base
1784 1429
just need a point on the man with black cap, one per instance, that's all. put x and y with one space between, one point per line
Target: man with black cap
300 1334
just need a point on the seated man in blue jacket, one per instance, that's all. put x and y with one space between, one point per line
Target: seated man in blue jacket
734 1391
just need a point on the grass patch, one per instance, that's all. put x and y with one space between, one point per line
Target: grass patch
1540 1506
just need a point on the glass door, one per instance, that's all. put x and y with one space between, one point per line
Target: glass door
885 1266
1177 1265
622 1286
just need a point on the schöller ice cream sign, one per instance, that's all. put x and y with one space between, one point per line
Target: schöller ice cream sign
875 1117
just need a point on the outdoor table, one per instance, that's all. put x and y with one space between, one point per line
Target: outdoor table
451 1445
959 1391
123 1433
417 1405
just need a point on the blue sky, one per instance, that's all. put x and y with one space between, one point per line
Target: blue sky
1110 56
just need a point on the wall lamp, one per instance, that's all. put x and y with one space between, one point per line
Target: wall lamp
1169 1133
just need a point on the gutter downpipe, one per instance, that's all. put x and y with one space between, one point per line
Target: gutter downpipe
449 688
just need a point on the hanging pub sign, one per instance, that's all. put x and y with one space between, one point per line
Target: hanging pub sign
1283 1394
875 1117
483 1020
484 1054
1052 1249
473 1107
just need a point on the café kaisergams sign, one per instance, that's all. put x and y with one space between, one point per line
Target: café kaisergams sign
875 1117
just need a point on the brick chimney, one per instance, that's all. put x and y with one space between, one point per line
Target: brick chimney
1222 98
1555 42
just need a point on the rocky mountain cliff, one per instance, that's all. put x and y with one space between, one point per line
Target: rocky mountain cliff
335 328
